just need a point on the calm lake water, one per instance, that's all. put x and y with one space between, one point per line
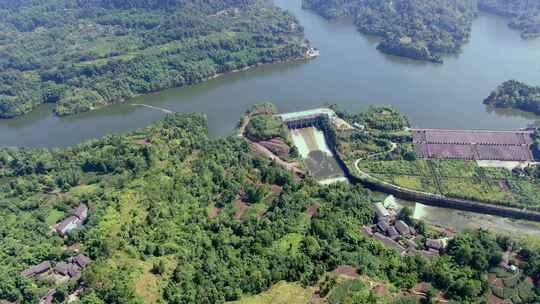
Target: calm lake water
350 72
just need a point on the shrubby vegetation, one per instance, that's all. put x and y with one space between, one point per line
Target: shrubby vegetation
516 95
265 127
85 54
535 147
152 239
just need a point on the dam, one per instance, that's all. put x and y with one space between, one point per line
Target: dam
309 133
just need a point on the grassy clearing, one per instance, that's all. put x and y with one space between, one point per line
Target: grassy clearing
409 182
54 217
344 289
80 191
280 293
147 285
474 188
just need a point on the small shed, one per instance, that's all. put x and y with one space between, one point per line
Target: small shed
48 298
62 268
383 225
411 244
435 244
74 271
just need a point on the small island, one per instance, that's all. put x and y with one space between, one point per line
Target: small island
515 95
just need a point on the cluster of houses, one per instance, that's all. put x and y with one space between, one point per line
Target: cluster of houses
62 271
71 269
75 220
401 237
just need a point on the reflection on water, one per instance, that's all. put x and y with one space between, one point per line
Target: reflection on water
462 220
509 112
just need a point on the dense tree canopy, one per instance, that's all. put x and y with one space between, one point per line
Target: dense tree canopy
412 28
424 30
152 237
84 54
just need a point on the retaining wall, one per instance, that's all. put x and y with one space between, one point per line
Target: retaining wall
446 202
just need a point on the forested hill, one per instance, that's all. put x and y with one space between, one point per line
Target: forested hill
84 54
176 217
411 28
516 95
425 30
525 14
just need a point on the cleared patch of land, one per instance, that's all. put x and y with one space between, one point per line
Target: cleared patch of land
281 293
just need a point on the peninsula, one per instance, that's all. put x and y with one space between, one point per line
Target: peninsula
426 30
515 95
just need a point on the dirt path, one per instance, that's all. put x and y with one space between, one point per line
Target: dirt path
293 167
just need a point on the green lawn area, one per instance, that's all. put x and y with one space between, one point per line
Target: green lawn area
396 167
409 182
80 191
54 217
455 168
280 293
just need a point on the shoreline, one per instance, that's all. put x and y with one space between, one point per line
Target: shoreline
305 58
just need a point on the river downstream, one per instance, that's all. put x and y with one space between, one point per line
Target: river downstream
350 72
463 220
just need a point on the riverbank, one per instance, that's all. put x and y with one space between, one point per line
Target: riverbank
441 200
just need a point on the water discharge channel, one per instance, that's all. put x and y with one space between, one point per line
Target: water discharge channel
350 72
315 153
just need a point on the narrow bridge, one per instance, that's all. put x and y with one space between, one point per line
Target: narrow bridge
164 110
